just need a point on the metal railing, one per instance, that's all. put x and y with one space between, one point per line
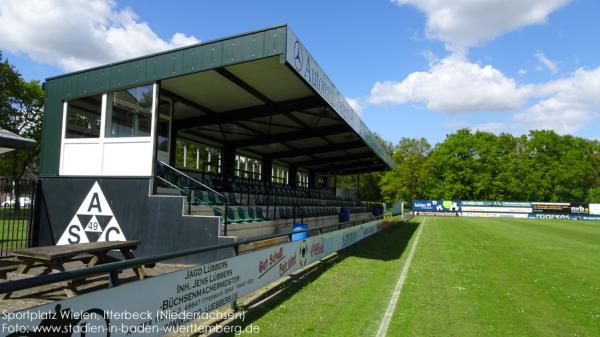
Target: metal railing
187 185
16 204
113 268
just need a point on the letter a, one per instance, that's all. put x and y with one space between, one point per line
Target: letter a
95 203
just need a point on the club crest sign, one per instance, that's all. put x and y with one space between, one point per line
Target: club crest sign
93 221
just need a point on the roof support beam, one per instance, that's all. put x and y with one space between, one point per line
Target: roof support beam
250 113
249 89
181 99
318 149
338 159
295 135
354 165
228 75
367 169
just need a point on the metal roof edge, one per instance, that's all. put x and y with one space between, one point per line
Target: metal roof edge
285 25
307 68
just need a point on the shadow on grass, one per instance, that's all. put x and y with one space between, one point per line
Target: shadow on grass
385 245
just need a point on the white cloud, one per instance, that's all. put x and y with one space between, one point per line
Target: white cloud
431 57
77 34
355 104
454 85
546 62
568 104
463 24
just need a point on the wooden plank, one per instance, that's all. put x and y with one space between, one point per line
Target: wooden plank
262 244
49 253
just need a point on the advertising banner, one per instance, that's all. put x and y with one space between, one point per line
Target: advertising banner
436 213
495 215
552 207
580 208
424 205
594 209
158 306
486 203
435 205
496 209
549 216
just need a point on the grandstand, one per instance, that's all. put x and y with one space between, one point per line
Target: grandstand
206 144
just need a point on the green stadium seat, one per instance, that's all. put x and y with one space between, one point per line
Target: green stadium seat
243 215
259 214
233 199
232 216
251 214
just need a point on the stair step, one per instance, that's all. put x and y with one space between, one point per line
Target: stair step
167 191
203 213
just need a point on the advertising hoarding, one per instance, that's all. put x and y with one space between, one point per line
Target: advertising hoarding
495 215
580 208
180 297
495 203
435 206
549 216
551 207
594 209
496 209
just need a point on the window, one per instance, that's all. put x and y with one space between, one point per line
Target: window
302 179
83 117
247 167
129 112
197 156
279 174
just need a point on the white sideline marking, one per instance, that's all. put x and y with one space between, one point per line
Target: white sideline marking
387 317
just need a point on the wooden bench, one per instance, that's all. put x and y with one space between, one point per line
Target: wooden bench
53 258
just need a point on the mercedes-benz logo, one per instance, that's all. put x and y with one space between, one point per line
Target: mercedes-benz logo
298 59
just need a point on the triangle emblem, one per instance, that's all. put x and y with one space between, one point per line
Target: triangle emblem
95 203
73 234
93 225
112 232
93 207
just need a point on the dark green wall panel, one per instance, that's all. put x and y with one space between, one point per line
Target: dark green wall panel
127 74
92 81
212 56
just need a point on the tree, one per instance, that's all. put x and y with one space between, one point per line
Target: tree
408 180
21 110
540 166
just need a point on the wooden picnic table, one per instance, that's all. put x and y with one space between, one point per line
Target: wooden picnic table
53 258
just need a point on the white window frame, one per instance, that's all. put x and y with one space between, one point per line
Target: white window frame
102 140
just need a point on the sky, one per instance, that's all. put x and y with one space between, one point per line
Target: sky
410 68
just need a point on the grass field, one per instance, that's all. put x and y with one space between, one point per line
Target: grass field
468 277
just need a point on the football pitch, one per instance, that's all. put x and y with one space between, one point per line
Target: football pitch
467 277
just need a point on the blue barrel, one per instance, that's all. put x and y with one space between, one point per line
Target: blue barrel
299 227
345 214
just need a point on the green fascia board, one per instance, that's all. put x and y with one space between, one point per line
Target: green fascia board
302 62
148 69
